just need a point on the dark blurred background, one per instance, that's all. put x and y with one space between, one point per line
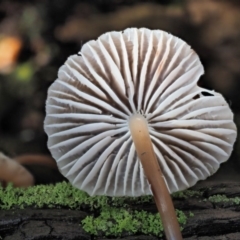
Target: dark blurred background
36 37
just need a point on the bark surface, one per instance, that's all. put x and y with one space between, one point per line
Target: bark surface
210 220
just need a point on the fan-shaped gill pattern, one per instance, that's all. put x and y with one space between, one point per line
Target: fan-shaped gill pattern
123 73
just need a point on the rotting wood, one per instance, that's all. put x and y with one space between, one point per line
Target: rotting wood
210 220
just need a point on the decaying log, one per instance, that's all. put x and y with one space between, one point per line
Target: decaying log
41 224
209 219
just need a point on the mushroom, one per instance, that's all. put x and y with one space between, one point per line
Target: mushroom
13 172
28 170
36 159
126 118
43 168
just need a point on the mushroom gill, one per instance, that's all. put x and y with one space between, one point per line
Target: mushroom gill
138 72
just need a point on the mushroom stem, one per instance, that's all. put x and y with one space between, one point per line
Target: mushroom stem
144 148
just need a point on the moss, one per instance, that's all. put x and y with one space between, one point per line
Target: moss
60 195
65 195
116 215
187 194
191 214
223 199
116 222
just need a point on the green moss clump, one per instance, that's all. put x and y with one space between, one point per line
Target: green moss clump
65 195
187 194
60 195
117 215
191 214
116 222
223 199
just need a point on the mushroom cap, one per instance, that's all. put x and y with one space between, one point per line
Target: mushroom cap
13 172
135 71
